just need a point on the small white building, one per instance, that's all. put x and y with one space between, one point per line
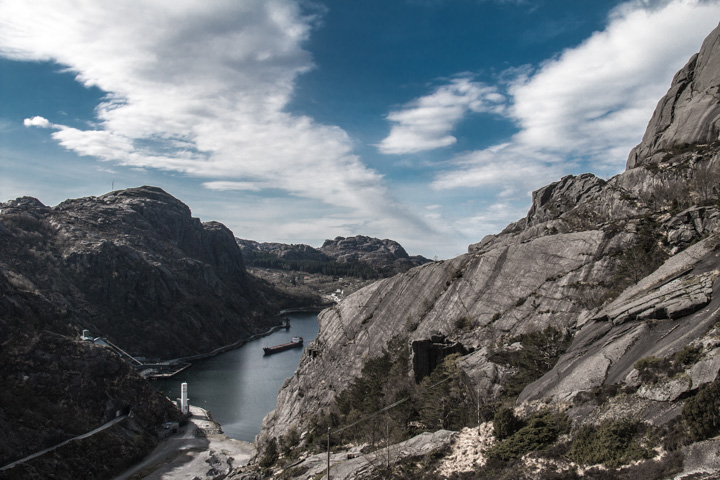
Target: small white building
184 400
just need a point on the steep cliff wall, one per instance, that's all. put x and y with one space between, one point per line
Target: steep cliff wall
627 266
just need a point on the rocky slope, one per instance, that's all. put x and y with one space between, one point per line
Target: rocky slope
133 266
627 267
55 388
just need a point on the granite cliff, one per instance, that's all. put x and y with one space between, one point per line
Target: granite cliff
595 316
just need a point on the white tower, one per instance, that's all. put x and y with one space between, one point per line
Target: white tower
184 405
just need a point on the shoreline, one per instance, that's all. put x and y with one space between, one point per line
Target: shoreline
242 341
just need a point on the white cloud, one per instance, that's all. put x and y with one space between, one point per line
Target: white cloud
426 122
591 104
198 88
596 99
509 168
225 185
37 122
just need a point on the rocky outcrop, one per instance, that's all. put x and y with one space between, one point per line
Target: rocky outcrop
381 254
689 113
639 324
251 248
133 266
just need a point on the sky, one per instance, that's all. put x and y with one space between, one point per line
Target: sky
429 122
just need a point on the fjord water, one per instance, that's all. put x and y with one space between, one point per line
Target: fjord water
240 387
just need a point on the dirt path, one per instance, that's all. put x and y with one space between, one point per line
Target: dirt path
186 455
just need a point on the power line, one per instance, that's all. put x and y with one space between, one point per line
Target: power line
385 409
374 414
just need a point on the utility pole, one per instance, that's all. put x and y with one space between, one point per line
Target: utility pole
387 443
328 456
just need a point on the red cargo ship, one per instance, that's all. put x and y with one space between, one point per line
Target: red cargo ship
296 343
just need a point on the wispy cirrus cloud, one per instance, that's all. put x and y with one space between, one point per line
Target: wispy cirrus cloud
199 88
426 122
589 106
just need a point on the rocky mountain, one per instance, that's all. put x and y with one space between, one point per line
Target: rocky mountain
132 266
381 254
582 338
135 268
358 256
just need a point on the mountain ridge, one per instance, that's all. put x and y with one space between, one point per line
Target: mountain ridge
374 258
627 267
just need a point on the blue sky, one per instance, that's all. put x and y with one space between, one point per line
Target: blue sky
425 121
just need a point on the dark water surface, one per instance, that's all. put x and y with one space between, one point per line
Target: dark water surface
240 387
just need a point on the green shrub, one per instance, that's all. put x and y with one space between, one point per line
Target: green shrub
462 323
651 368
505 423
687 356
289 441
701 413
611 444
540 431
270 455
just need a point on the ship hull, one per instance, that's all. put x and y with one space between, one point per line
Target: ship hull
282 348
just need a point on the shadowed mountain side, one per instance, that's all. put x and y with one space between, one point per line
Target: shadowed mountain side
132 266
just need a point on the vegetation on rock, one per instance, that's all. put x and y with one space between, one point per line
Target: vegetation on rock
612 444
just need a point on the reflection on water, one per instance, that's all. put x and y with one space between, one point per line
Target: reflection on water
240 387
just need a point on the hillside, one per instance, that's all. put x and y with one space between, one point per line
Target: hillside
580 339
135 268
132 266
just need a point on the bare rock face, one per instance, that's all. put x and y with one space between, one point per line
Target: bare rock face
690 112
133 266
628 266
638 324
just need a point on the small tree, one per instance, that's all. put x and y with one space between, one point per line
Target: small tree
505 423
270 455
